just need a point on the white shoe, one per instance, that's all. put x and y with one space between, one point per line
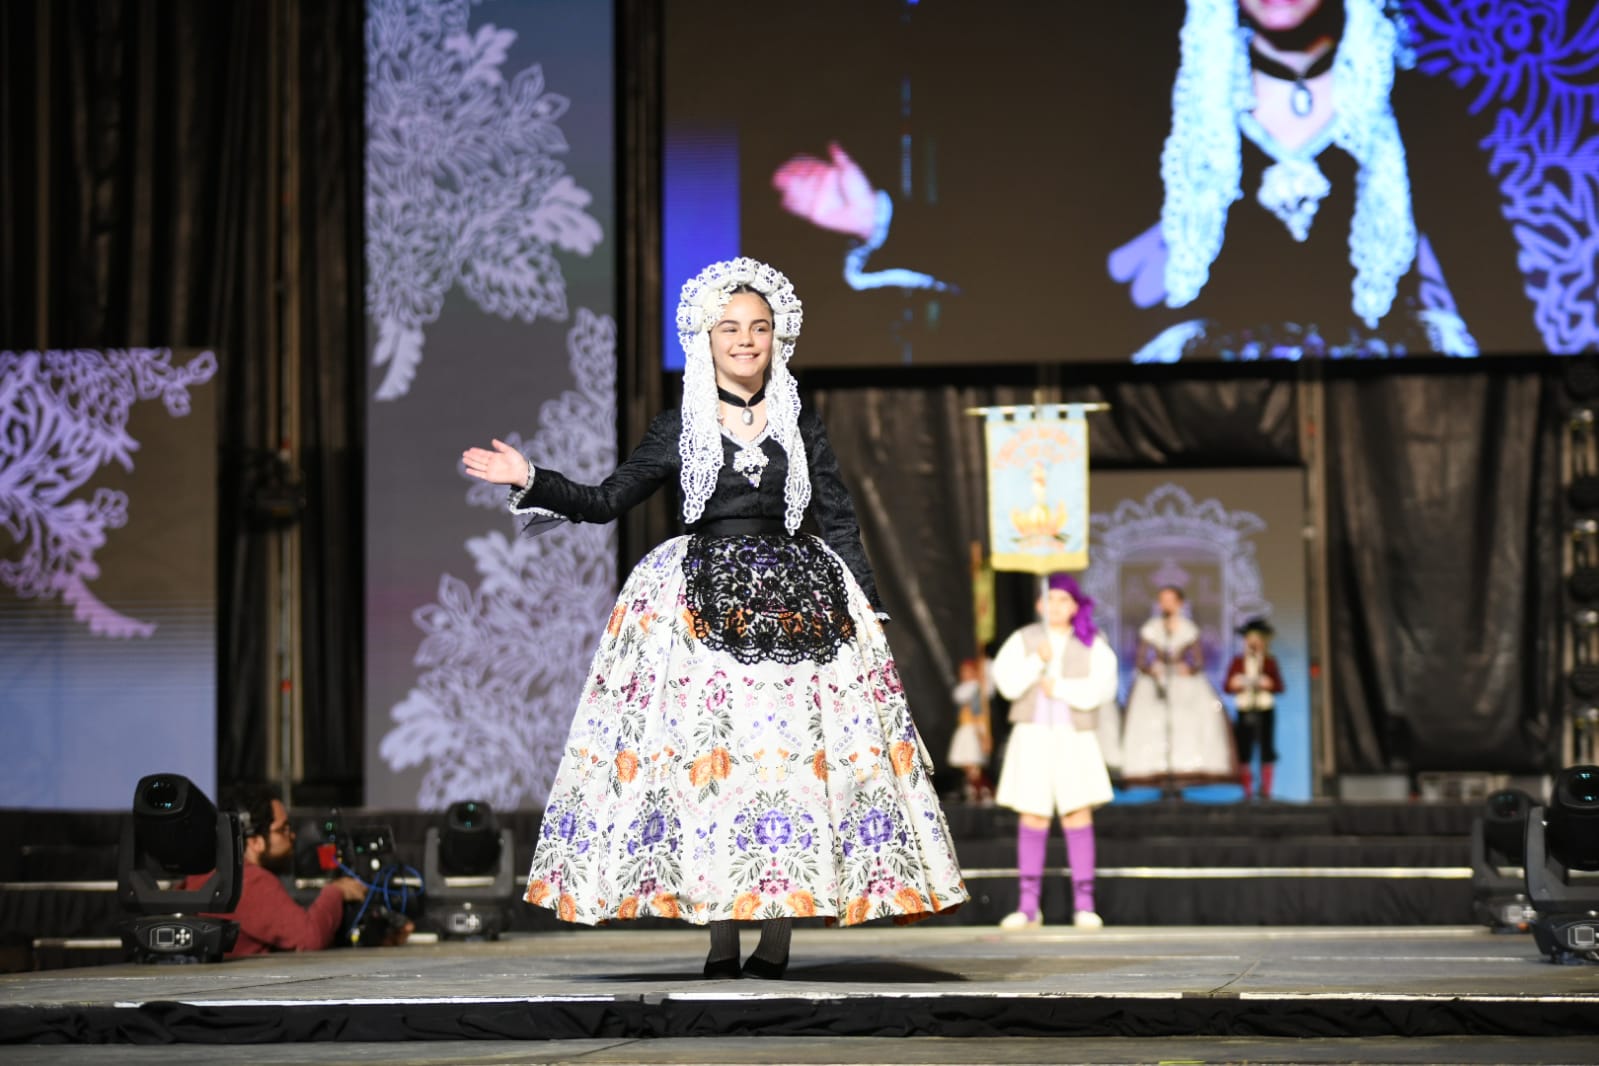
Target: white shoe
1018 920
1088 920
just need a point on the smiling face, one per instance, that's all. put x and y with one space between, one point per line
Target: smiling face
741 343
1279 16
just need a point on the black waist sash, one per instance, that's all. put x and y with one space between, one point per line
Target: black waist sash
739 527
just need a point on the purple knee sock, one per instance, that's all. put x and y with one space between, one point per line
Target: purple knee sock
1030 844
1080 854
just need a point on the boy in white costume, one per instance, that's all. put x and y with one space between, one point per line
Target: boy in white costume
1056 673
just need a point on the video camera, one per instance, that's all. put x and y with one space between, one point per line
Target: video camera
367 853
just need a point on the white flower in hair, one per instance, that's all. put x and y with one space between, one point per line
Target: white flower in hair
700 306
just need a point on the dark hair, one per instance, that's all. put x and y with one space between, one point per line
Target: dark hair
1182 597
737 290
254 804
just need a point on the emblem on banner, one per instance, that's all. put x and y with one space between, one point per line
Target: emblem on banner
1038 488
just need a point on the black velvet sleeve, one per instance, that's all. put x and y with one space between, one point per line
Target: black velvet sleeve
641 473
832 508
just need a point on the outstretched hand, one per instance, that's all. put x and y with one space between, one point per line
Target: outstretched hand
504 465
832 193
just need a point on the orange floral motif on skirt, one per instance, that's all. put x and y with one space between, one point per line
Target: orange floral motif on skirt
903 756
746 906
665 905
910 901
713 767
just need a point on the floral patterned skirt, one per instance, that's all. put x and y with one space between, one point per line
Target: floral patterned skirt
700 787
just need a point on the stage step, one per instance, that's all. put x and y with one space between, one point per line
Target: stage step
1159 864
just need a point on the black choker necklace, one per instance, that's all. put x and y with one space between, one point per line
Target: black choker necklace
1299 98
738 401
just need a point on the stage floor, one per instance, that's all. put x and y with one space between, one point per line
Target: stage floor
1238 992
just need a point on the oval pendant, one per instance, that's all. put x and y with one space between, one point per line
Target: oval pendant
1300 99
748 416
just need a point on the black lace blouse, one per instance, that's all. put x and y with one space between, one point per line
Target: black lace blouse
655 462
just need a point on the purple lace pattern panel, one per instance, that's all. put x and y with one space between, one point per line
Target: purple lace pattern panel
64 416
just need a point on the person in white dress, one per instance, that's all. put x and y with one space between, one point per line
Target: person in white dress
1176 730
743 753
972 742
1056 673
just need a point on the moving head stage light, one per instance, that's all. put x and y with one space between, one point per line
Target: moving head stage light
1562 855
1498 854
176 831
469 870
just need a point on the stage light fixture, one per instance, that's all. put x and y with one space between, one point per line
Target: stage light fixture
471 839
469 873
176 831
1498 854
1573 818
1562 855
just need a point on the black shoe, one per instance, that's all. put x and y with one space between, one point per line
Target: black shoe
722 969
755 966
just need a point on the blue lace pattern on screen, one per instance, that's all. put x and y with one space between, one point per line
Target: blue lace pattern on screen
1538 75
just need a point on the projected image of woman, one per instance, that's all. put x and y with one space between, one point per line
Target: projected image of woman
743 751
1284 106
1316 198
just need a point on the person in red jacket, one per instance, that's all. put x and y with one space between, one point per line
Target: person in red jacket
1254 682
269 919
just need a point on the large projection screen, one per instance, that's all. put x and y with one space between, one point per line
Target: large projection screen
1010 181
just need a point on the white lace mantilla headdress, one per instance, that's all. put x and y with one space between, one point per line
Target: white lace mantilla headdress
1201 165
699 308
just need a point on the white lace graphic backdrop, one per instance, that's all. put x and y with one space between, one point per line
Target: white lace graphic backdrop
63 416
504 661
1170 523
463 181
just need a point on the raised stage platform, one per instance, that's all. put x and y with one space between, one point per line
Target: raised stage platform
1167 863
1318 932
1313 987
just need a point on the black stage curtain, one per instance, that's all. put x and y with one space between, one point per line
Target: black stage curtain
153 149
1443 539
1444 570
